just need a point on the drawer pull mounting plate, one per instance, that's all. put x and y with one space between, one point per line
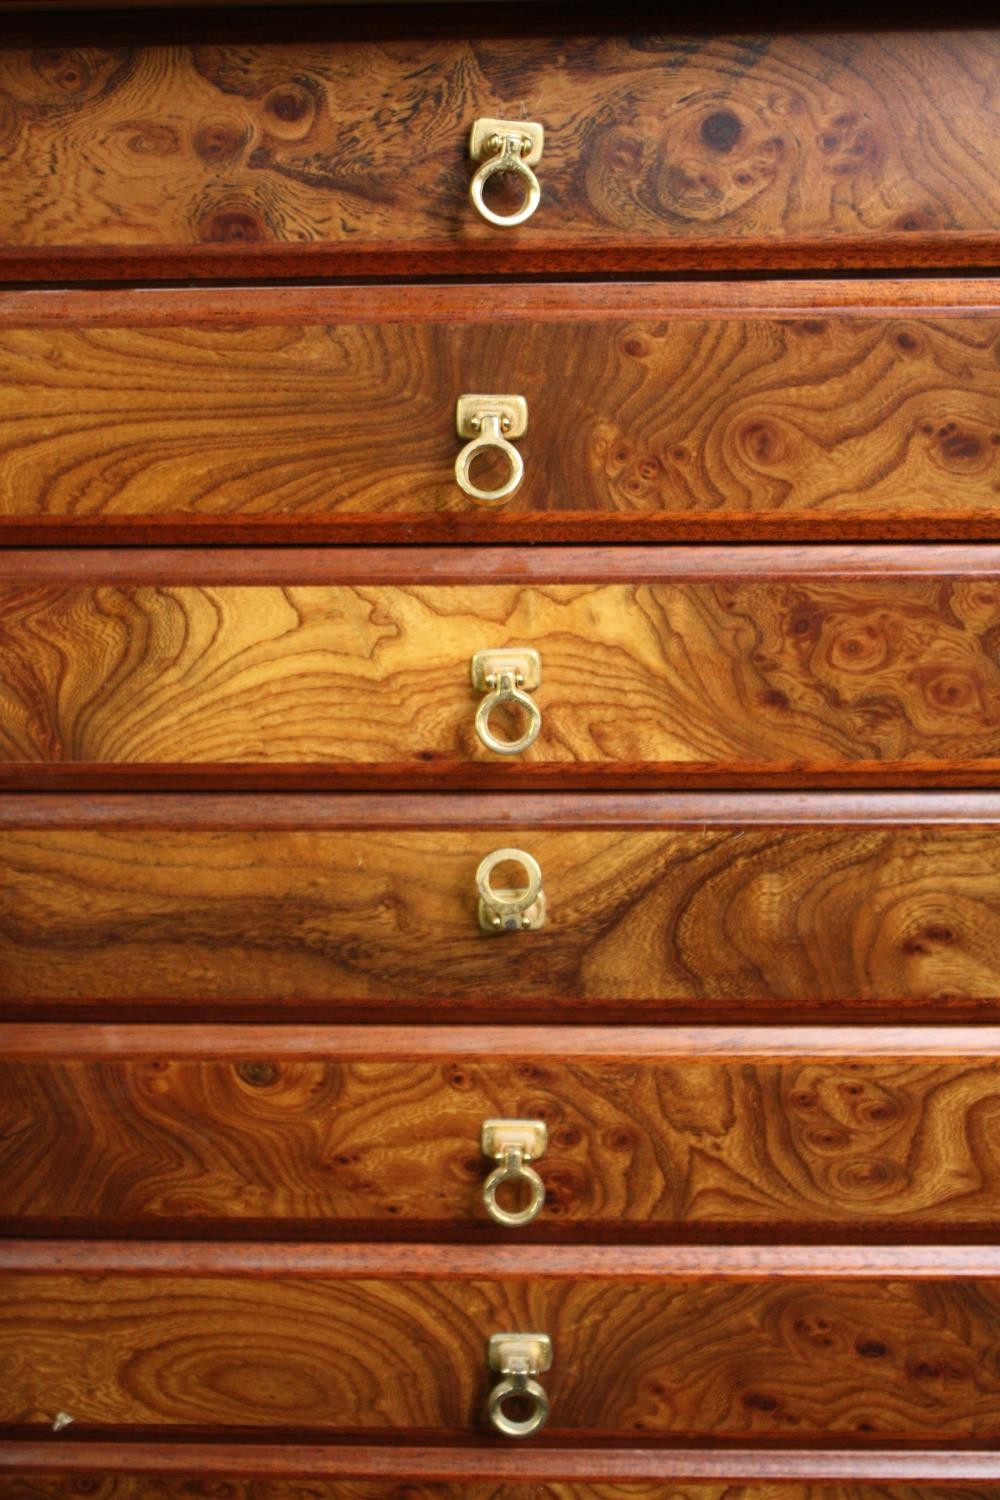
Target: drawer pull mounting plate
519 1358
490 422
507 676
514 1143
510 909
506 146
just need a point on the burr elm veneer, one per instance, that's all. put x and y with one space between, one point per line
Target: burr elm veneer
401 1046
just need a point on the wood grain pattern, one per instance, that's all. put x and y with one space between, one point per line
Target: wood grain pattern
145 1487
297 812
770 1473
275 566
812 675
130 157
667 425
721 1135
877 1361
741 919
509 1261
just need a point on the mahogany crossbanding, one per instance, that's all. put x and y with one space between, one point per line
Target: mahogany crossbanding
134 1471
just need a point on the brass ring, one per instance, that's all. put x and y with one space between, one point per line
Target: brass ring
508 693
509 903
491 437
518 1385
513 1168
508 160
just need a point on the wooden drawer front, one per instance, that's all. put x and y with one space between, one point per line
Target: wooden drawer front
656 1136
236 155
863 409
363 908
658 667
891 1345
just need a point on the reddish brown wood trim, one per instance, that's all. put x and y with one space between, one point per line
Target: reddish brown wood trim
459 776
531 1464
185 567
573 527
409 1010
494 302
416 810
906 251
519 1262
28 1042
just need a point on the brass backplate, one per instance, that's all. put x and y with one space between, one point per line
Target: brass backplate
470 410
530 1137
532 1351
523 661
485 131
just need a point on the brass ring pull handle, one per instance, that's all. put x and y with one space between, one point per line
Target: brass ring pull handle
489 422
518 1385
507 676
513 1143
506 146
519 1358
510 909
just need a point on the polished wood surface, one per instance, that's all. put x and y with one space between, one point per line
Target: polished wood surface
808 668
146 1487
509 1260
358 908
278 416
192 155
880 1356
761 1473
660 1135
290 812
277 566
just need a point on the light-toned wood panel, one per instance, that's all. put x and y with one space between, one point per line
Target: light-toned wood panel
678 677
732 423
672 921
762 149
695 1143
887 1360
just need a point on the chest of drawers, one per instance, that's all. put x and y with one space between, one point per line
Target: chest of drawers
499 755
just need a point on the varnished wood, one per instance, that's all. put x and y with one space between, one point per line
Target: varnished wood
797 667
125 1486
343 155
657 1135
508 1260
291 304
349 566
276 415
28 1042
749 1344
237 908
573 1471
291 813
